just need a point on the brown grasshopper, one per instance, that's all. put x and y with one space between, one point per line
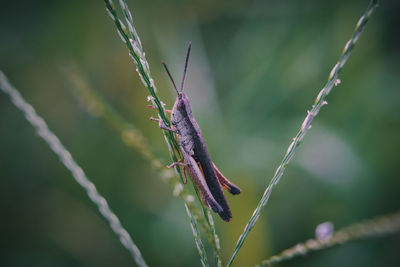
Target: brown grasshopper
197 161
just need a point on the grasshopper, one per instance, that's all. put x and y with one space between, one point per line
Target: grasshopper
197 161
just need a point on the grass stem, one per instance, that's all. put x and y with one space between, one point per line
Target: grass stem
379 226
66 158
306 125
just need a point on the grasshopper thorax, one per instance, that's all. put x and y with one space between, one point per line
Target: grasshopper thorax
181 109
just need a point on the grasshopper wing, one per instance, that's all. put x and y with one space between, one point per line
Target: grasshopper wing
215 188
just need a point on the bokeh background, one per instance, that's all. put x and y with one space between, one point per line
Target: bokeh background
255 70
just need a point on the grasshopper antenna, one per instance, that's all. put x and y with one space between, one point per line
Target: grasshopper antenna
186 64
170 76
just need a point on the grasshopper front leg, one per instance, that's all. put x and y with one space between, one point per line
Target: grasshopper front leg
153 107
162 125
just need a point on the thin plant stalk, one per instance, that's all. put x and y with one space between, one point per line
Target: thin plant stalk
133 43
130 37
306 125
134 138
215 240
66 158
379 226
199 243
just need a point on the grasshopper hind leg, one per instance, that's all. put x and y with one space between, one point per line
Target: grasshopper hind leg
225 183
198 178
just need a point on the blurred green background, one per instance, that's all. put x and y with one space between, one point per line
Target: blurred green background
256 68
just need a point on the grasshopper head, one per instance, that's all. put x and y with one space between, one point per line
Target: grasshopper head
182 104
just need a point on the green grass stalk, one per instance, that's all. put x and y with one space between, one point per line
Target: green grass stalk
66 158
306 125
130 37
377 227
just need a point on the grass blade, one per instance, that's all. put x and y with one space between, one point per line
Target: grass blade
130 37
133 43
65 157
380 226
199 244
319 102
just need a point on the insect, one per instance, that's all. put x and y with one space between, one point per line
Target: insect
197 161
